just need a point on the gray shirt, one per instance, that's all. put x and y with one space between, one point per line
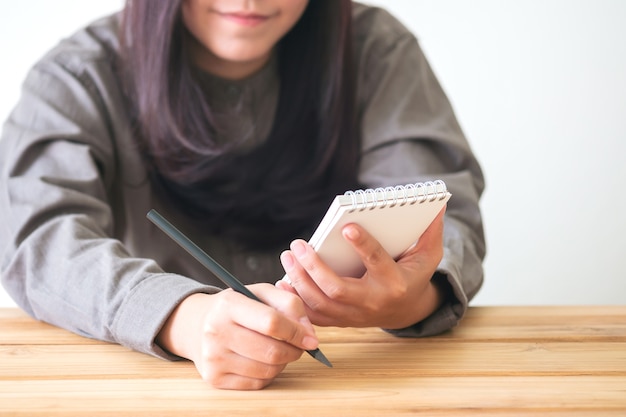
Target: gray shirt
77 249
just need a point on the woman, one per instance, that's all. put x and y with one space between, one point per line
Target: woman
239 121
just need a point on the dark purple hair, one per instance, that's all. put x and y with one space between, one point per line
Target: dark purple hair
282 187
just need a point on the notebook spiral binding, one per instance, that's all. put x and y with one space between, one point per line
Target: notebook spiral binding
419 192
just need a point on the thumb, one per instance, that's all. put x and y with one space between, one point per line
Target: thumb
432 238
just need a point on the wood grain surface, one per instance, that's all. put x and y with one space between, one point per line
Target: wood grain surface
511 361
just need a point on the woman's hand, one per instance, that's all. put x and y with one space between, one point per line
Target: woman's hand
236 342
391 294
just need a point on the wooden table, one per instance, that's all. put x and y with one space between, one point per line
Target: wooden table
566 361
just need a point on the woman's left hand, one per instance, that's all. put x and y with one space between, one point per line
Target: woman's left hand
391 294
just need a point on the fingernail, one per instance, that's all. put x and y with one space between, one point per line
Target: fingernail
287 260
298 249
284 282
351 233
310 342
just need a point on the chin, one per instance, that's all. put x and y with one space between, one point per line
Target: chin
243 58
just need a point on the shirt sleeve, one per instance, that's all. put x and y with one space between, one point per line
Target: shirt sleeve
61 261
410 134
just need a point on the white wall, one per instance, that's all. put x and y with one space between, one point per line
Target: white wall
540 89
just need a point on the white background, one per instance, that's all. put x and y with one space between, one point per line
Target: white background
539 87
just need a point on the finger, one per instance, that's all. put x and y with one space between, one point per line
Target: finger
235 372
238 382
296 276
286 286
288 262
375 258
428 251
315 281
258 351
433 235
330 299
291 305
281 317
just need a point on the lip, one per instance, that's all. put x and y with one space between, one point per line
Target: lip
245 19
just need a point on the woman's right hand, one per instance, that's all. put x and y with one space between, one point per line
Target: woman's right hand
236 342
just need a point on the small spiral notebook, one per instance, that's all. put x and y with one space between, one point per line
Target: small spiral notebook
395 216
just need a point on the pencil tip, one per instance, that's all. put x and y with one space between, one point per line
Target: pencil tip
317 354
